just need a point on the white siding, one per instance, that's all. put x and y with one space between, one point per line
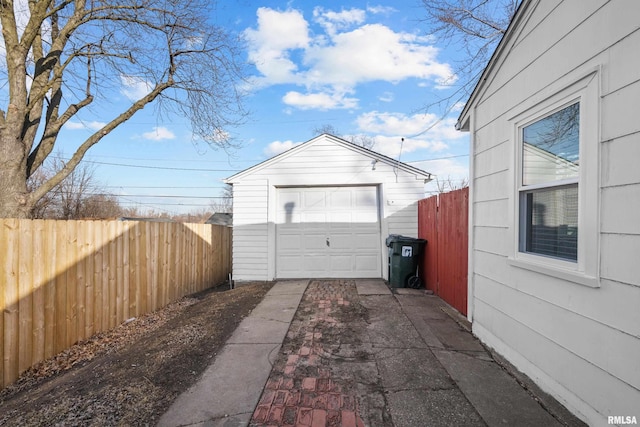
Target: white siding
250 230
581 344
321 162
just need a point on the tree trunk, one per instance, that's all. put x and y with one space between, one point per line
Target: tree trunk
15 200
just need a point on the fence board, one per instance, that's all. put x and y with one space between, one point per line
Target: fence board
66 280
25 296
10 344
89 264
38 285
71 277
443 222
80 282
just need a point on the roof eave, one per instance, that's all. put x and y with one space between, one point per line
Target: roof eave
463 123
419 173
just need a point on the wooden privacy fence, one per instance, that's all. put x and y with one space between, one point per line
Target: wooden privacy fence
63 281
443 221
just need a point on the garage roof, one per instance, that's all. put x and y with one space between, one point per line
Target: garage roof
419 173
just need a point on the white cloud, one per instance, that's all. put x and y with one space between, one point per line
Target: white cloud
333 21
420 132
386 97
373 52
277 147
423 125
394 147
134 88
92 125
380 9
159 133
319 101
348 53
270 45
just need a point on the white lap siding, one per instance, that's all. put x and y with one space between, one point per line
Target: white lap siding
580 343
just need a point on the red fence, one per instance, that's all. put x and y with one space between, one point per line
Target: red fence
443 222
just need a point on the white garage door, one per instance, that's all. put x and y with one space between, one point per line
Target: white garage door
328 232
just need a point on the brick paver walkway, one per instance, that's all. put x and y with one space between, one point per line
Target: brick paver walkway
302 389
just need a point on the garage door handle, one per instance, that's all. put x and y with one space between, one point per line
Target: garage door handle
328 243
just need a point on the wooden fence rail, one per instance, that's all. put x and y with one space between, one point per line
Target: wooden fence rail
63 281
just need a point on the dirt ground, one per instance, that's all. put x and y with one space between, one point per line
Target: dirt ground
130 375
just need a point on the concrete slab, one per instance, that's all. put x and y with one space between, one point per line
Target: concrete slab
280 307
455 337
284 287
419 408
256 330
497 397
228 390
372 287
409 291
421 307
421 324
387 326
410 368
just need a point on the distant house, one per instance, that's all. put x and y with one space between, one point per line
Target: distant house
220 218
322 209
554 251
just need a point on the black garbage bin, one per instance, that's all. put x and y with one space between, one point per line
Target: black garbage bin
404 255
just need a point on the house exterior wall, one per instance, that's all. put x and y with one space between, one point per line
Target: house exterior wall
321 162
579 339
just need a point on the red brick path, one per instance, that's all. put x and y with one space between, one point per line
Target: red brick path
301 390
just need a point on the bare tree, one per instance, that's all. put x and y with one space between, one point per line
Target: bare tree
63 56
223 203
73 189
361 140
445 185
78 196
100 206
474 27
46 206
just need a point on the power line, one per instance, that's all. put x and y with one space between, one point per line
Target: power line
161 167
158 186
438 158
163 196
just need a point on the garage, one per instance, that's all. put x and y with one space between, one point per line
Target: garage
322 210
328 232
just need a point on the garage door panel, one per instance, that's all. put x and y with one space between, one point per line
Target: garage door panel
308 217
367 262
366 199
315 242
314 264
290 243
314 200
341 264
340 199
365 241
345 216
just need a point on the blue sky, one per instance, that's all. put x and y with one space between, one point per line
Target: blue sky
363 68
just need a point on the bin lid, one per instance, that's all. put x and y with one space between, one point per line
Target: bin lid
397 238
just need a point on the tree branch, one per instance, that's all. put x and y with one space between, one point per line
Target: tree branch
96 137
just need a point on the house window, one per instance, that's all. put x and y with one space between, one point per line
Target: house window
550 150
556 201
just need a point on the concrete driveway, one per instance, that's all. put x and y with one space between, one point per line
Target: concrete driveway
354 353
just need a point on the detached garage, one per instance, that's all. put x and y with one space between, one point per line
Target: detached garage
322 209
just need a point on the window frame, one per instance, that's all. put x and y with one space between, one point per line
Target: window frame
585 270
